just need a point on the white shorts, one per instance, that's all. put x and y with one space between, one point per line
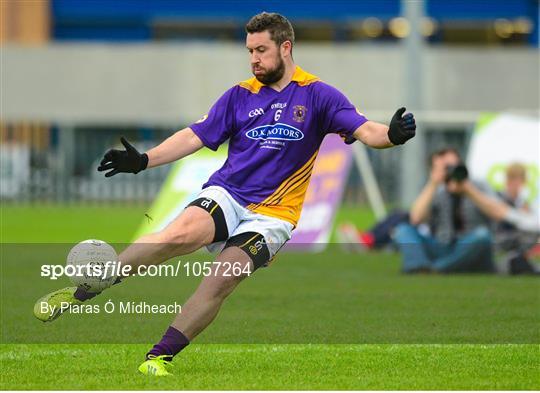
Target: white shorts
239 220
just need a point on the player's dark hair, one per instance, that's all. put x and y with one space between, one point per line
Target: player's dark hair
277 25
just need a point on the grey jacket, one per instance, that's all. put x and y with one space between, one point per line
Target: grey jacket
441 221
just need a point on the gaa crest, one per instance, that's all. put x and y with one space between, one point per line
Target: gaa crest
299 113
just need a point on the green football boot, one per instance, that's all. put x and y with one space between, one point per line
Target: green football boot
156 366
52 305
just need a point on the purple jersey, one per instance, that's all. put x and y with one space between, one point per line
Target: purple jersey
274 138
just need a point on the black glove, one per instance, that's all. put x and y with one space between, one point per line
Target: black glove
127 161
401 128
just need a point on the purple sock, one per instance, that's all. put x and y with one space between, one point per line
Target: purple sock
172 342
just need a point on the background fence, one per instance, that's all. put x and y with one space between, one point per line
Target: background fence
43 163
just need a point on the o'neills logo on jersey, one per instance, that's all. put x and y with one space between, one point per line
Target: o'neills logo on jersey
280 131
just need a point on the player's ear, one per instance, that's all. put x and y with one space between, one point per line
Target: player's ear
286 48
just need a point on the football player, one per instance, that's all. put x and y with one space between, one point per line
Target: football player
274 123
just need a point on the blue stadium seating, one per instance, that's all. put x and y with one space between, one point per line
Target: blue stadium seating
132 20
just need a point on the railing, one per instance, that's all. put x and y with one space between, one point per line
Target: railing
44 163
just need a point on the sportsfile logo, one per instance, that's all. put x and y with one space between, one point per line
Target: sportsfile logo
277 131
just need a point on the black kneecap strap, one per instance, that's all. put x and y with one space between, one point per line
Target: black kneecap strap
253 244
216 212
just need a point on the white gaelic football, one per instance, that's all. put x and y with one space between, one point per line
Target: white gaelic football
91 264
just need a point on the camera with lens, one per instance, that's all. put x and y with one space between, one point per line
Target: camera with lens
457 172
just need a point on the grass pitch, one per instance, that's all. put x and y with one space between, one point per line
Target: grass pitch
311 321
283 367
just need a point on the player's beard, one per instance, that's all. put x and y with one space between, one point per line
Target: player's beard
273 75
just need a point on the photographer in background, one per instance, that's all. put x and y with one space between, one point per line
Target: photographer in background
460 239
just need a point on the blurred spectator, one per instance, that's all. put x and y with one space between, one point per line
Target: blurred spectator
516 229
507 236
377 237
460 239
526 221
514 192
518 226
